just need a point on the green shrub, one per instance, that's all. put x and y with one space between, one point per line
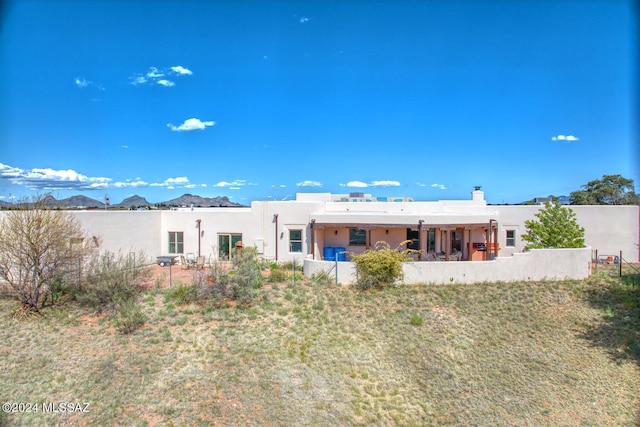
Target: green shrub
112 280
129 317
322 278
241 284
289 265
182 294
380 267
277 275
417 320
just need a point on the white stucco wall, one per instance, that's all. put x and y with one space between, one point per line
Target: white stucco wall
608 229
537 264
123 231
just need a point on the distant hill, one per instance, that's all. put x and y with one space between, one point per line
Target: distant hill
133 201
73 202
84 202
200 202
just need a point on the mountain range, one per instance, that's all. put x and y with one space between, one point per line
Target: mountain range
84 202
186 200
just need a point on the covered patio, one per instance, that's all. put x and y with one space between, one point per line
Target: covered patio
438 237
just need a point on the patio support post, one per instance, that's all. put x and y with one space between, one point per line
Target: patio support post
491 234
495 239
275 219
420 239
448 244
313 239
199 234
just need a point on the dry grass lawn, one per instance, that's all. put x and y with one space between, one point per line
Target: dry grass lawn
529 354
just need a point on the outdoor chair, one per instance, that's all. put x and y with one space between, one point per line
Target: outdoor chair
191 259
200 262
183 262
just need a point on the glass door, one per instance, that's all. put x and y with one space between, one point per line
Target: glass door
226 244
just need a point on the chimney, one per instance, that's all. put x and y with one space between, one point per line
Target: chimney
477 195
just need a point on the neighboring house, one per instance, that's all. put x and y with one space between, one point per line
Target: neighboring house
317 225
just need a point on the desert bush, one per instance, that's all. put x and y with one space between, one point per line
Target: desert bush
241 284
290 265
380 267
182 293
322 278
129 317
39 245
277 275
113 279
417 320
246 279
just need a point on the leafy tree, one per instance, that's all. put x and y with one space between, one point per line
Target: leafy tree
380 267
610 190
40 248
556 227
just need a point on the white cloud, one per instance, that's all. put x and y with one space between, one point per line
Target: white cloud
439 186
190 124
235 184
156 75
567 138
179 180
308 183
359 184
137 80
138 183
179 69
80 82
172 183
153 73
385 184
52 179
7 171
48 179
304 19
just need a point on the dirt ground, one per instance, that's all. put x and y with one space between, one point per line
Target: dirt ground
173 273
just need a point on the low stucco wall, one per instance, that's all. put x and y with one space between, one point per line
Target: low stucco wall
537 264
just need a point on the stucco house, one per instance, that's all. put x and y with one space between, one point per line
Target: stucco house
458 239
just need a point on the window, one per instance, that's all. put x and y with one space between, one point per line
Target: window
176 242
414 238
357 237
226 244
295 240
456 240
431 240
511 237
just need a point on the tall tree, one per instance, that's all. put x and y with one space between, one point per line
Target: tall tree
556 227
39 246
610 190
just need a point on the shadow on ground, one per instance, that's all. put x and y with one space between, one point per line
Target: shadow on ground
618 299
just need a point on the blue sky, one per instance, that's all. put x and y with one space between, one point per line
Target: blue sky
258 100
